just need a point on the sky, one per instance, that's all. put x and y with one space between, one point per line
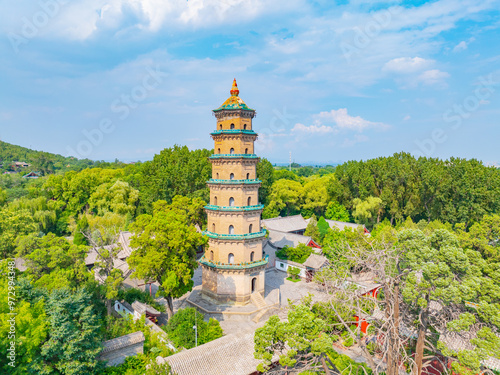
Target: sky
331 81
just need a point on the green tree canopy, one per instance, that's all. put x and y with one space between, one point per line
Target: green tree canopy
74 341
175 171
117 197
180 328
265 173
285 199
165 252
336 211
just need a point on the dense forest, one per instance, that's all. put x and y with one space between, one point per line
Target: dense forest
51 221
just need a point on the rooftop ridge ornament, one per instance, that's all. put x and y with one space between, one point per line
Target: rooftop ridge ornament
235 103
234 90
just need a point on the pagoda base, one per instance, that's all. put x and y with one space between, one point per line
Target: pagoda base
249 312
233 286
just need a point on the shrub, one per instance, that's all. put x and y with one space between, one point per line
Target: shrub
180 328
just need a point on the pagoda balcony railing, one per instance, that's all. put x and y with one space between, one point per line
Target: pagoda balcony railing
233 131
246 236
213 207
233 156
238 266
233 182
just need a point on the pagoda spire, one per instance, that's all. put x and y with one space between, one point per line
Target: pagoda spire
234 90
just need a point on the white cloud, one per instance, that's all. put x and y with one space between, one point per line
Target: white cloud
414 71
405 65
462 46
312 129
433 77
406 118
343 121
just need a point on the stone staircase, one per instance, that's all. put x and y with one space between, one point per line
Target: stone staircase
258 300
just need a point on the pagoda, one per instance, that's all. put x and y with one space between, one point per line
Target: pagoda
234 264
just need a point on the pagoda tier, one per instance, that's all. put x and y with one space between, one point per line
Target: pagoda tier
234 263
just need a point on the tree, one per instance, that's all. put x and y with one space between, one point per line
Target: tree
3 197
265 173
30 324
285 199
323 228
483 236
312 229
81 228
175 171
285 174
165 252
293 272
12 226
301 342
117 197
316 195
103 240
445 275
298 254
180 328
73 189
52 262
367 211
336 211
380 258
74 341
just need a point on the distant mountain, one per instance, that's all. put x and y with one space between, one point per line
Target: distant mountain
15 158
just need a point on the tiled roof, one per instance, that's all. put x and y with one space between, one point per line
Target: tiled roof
286 224
281 239
122 342
229 355
125 249
141 308
461 341
342 225
315 261
20 264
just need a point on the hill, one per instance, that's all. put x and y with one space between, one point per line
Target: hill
39 161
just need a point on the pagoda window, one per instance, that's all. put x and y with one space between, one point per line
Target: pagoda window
212 255
245 126
215 198
249 202
250 227
218 150
252 256
231 151
230 258
231 201
231 176
248 176
231 229
232 126
217 175
220 126
213 227
246 151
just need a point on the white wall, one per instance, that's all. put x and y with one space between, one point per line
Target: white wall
282 265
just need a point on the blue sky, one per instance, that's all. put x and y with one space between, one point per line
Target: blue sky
331 81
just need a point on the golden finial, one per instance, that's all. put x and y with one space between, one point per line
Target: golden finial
234 90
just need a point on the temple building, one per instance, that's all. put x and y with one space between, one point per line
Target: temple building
234 264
